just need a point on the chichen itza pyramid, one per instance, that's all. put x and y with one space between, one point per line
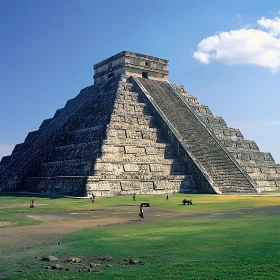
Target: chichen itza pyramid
135 132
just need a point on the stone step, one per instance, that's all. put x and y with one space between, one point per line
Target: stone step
242 144
110 157
265 167
191 99
131 119
102 187
234 190
77 146
153 145
268 185
131 129
58 185
133 141
246 159
162 150
202 110
127 158
139 134
124 101
120 125
129 106
227 133
165 167
81 155
214 122
127 95
265 176
152 176
63 162
119 111
65 168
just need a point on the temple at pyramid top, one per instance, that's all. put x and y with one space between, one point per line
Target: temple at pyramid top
131 64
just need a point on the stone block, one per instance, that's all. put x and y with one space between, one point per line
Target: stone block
167 185
253 145
134 150
152 151
96 185
158 167
141 186
129 167
112 149
117 168
144 168
253 169
118 133
149 135
144 121
134 134
268 157
129 107
118 106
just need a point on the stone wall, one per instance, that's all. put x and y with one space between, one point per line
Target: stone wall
131 63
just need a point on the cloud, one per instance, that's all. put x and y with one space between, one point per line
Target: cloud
272 25
6 150
244 46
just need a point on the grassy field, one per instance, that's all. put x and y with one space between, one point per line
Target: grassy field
243 247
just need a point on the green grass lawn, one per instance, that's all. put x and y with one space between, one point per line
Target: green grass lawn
247 247
11 207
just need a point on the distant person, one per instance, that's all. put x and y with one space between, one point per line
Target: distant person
92 197
167 198
32 202
141 212
134 197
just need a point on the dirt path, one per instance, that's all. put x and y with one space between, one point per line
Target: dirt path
55 224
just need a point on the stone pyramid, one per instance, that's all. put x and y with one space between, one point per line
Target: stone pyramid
134 132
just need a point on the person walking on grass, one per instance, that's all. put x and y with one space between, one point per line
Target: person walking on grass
92 198
32 202
134 197
141 212
167 197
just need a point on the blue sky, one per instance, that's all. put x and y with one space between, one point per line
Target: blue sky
227 53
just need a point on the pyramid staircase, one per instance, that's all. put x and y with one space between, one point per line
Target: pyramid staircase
263 173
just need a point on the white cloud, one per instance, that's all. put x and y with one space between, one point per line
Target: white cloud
6 150
272 25
244 46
